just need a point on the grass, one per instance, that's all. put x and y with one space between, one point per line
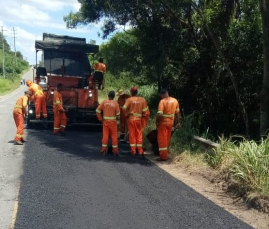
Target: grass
10 83
7 85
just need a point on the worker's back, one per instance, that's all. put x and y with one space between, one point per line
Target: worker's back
167 108
136 106
110 109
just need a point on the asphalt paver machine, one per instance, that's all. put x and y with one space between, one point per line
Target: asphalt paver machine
65 60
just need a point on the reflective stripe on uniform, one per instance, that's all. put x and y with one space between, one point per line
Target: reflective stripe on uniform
132 144
18 106
165 148
136 114
125 107
145 109
103 145
160 112
114 146
109 118
177 109
56 128
98 111
118 113
38 92
57 102
168 115
18 135
139 145
62 126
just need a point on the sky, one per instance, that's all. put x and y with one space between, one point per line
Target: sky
32 18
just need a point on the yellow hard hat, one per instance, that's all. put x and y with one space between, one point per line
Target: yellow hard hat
120 92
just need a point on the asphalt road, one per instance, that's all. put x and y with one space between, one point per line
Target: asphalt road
10 156
66 183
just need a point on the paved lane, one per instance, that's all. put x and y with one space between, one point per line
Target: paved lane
67 184
10 156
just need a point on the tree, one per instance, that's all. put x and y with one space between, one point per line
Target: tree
264 96
206 52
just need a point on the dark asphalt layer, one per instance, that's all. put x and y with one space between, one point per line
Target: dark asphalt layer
67 184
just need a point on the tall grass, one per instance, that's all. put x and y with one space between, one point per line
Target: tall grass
220 158
251 165
247 162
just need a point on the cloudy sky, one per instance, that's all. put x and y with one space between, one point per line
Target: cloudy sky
31 18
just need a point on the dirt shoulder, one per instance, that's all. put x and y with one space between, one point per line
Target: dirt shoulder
202 180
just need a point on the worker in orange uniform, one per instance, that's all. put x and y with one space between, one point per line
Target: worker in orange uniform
107 113
60 118
40 102
167 110
19 113
123 96
136 109
99 73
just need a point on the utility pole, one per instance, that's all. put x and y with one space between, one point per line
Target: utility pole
3 43
14 37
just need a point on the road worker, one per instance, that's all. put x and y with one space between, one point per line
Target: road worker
107 113
168 108
19 113
60 118
99 73
122 97
40 102
136 109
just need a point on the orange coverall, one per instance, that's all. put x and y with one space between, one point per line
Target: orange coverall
100 67
167 109
60 118
121 101
40 103
18 114
109 109
137 109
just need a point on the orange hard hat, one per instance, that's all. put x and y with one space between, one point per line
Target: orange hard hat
28 82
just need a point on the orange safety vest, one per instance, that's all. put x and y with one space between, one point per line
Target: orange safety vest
110 110
21 105
167 109
57 101
36 90
136 107
100 67
122 99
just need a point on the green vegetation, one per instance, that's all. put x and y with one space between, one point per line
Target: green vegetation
14 68
212 56
248 164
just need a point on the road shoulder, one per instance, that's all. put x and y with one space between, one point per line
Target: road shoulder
198 180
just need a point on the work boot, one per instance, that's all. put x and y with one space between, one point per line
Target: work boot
22 140
18 143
